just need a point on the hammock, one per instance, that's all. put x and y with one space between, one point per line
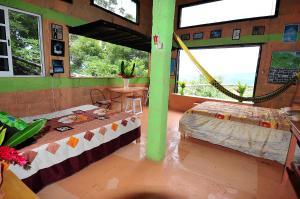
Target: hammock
221 88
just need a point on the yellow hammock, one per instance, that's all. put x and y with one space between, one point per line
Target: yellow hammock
221 88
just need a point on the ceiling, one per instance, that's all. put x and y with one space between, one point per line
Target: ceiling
113 33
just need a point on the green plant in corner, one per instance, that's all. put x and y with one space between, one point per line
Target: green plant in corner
241 88
182 86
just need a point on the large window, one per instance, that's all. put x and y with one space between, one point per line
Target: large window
225 10
93 58
20 43
229 65
124 8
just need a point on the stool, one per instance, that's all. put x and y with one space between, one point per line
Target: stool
133 101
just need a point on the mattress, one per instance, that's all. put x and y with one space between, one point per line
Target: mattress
256 131
57 154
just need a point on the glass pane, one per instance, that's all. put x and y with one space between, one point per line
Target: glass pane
3 48
229 66
2 33
4 64
2 17
226 10
25 46
124 8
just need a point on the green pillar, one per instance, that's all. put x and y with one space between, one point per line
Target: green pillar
163 26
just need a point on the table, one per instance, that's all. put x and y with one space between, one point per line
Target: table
13 188
295 137
124 92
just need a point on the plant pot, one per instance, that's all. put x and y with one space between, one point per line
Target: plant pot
126 83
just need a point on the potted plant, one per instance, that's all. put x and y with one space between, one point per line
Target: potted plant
182 86
241 88
126 73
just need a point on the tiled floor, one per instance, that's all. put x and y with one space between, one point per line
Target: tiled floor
192 169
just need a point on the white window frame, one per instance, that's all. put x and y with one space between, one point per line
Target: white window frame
10 73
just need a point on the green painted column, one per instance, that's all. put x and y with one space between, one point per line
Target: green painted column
163 26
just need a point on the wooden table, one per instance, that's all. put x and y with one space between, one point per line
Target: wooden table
124 92
14 188
295 137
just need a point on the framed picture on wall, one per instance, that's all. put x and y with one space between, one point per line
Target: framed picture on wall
258 30
57 48
58 66
198 36
68 1
216 34
185 37
173 66
236 34
290 33
57 31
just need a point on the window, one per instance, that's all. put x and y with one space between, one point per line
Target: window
225 10
94 58
127 9
229 65
20 43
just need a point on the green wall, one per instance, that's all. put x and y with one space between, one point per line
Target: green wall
14 84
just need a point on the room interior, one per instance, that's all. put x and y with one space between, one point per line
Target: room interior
149 99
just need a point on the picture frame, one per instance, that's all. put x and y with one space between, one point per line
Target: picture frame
290 33
216 34
68 1
236 34
258 30
57 48
198 36
57 31
58 66
173 67
185 37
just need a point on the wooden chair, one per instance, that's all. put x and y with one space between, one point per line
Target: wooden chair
98 98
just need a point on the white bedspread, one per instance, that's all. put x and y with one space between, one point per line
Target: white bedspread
254 140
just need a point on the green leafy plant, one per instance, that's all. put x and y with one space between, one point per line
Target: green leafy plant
127 72
2 134
241 88
182 86
26 133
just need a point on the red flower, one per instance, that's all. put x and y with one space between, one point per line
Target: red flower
12 156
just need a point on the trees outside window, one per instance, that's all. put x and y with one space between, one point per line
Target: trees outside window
94 58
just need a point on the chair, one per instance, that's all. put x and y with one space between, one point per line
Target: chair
98 98
134 101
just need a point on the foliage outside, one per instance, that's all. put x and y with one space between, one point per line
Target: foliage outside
25 46
202 88
93 58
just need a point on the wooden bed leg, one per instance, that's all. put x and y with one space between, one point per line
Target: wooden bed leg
289 158
138 140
